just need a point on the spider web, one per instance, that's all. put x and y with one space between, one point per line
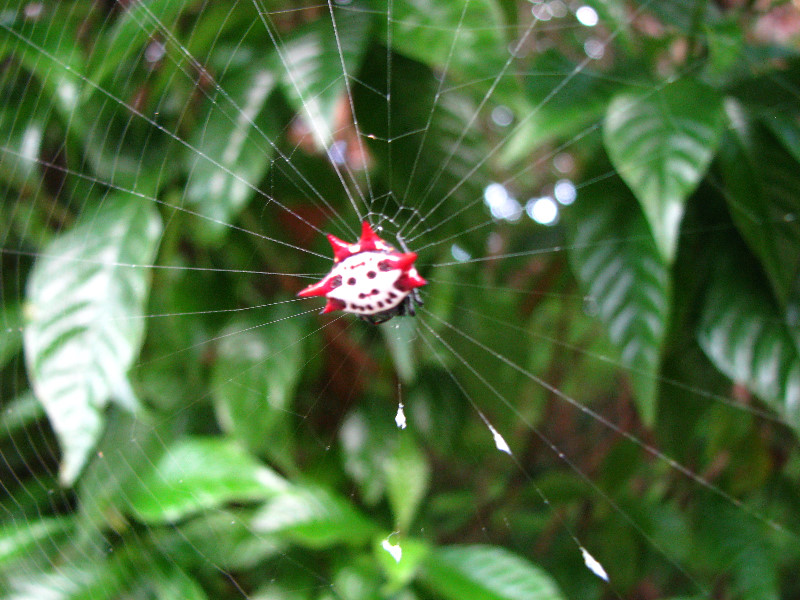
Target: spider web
179 425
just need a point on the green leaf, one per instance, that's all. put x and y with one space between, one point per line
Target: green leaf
130 446
51 53
176 584
769 97
234 146
138 24
407 479
224 537
661 143
357 580
255 377
20 412
764 200
566 99
126 152
84 299
725 39
466 38
10 330
367 437
400 335
626 278
64 584
133 570
738 547
486 573
23 130
400 565
19 537
196 474
684 15
745 335
786 127
313 517
311 65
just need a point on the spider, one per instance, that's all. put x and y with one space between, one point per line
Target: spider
370 279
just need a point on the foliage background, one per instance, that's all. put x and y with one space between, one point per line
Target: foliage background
163 168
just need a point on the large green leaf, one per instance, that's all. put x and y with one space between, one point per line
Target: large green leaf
10 328
134 569
744 333
51 53
255 377
464 37
566 98
486 573
20 412
232 148
400 336
684 15
407 478
103 487
751 561
83 301
196 474
314 517
661 143
770 97
23 128
139 24
725 40
400 558
764 200
175 584
310 63
786 127
626 278
367 438
223 537
20 537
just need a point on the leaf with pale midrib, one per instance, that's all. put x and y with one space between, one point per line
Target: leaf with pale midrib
258 367
197 474
744 334
233 146
486 573
82 332
314 517
661 144
764 201
311 65
625 276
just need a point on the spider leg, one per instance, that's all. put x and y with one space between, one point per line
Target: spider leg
414 295
417 297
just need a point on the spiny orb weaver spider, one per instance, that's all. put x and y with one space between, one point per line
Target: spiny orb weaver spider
370 279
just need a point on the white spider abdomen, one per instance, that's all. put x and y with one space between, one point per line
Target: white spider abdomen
368 284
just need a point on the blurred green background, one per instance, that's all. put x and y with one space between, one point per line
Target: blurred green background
604 197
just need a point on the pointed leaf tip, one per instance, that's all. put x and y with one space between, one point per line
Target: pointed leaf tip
661 145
